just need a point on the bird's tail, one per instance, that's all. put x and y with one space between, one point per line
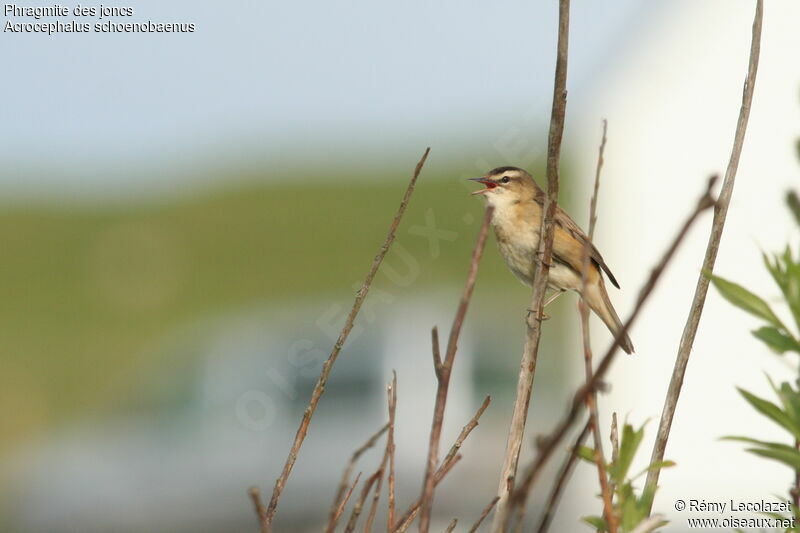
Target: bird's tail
598 301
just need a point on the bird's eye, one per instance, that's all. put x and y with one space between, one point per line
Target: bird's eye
505 179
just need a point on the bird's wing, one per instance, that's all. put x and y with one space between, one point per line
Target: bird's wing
571 244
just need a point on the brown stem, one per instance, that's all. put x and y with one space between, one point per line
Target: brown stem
717 225
484 514
614 446
583 309
550 443
591 404
447 464
392 394
359 505
343 484
452 526
443 371
261 511
388 453
541 272
561 480
319 388
340 508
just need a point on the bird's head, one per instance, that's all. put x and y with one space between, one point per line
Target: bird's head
506 185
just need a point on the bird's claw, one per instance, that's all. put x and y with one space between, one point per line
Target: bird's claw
544 316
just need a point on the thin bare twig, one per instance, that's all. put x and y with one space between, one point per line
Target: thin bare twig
359 505
583 310
388 455
541 273
261 511
561 480
717 225
447 464
484 514
349 469
614 446
376 496
340 509
319 388
437 356
444 370
411 513
550 443
452 526
392 394
466 430
591 404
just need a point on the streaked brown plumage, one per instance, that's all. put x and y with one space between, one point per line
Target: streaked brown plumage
517 219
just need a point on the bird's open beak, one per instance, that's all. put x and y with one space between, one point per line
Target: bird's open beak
486 181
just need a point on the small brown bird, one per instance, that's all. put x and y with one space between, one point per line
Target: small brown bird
518 203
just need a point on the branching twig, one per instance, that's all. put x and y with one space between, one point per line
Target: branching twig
319 388
541 272
359 505
720 213
349 469
340 508
550 443
261 511
561 480
388 454
447 464
443 371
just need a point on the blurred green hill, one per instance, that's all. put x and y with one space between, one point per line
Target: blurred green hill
89 291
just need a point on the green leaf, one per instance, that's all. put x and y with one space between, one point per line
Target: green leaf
646 500
746 300
596 522
765 444
791 197
771 411
790 457
791 285
627 450
777 341
586 453
631 512
655 466
774 268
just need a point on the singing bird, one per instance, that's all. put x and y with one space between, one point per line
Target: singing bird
518 205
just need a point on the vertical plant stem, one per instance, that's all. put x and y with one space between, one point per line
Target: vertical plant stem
542 270
583 309
717 225
392 394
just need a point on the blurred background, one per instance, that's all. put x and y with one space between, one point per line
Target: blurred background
185 218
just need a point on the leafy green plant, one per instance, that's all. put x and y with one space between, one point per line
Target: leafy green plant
629 507
780 338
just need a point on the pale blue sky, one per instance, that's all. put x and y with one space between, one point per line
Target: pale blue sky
258 80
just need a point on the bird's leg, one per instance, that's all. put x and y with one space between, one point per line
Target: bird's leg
552 298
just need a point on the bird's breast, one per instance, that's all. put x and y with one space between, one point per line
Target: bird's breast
518 241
